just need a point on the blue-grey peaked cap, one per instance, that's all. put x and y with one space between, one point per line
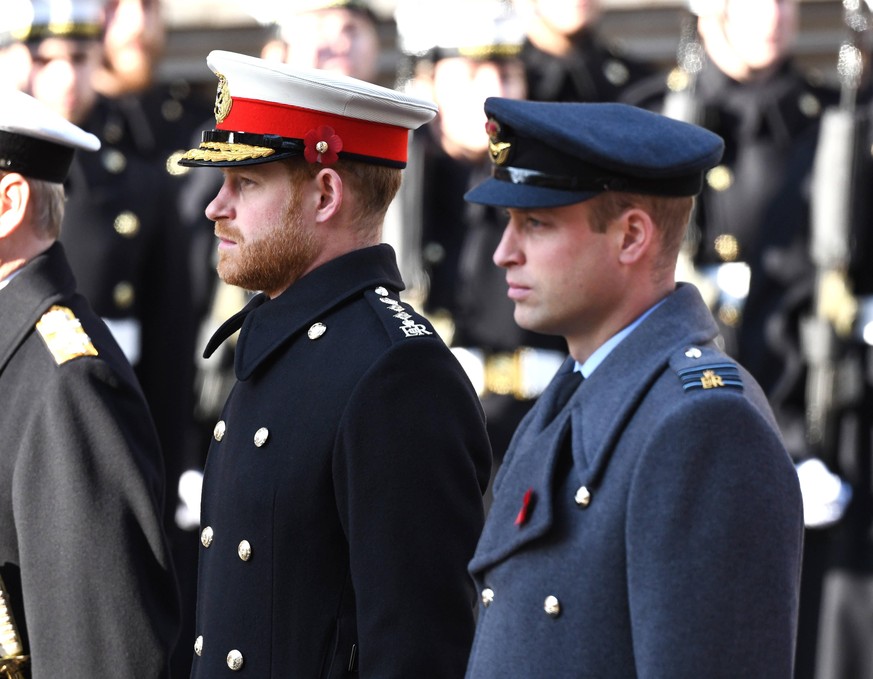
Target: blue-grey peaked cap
548 154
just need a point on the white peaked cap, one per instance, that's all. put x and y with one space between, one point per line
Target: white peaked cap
265 111
37 142
489 28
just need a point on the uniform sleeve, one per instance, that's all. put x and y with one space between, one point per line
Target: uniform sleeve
714 544
413 462
98 586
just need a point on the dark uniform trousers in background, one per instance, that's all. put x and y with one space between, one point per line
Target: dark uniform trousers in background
343 488
618 527
82 548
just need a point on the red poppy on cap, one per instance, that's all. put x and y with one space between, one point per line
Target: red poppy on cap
322 146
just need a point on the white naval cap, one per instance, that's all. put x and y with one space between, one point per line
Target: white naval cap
37 142
266 111
34 20
491 29
282 14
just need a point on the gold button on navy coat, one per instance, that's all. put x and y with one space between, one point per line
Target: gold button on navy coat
362 505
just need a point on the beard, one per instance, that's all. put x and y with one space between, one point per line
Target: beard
271 263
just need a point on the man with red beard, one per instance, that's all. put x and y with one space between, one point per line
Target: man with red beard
342 495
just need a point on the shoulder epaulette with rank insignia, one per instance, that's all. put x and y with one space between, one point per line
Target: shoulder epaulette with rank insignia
396 316
704 368
63 335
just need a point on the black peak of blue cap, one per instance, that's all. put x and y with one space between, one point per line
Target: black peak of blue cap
550 154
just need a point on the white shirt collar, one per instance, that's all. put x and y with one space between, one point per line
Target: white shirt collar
590 365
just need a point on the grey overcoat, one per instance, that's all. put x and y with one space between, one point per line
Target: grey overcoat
652 529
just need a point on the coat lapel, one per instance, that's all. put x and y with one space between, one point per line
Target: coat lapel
529 467
616 388
44 280
266 324
593 421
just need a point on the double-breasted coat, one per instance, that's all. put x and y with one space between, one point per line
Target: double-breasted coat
652 529
342 494
82 549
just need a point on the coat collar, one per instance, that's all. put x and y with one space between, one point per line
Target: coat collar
594 418
43 281
599 411
266 324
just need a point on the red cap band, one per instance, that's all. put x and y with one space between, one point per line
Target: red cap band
361 137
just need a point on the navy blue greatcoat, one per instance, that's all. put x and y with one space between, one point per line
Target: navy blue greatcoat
342 497
662 533
82 549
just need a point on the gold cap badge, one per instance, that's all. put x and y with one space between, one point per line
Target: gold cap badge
223 101
498 149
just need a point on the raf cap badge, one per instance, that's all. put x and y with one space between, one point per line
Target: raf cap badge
498 149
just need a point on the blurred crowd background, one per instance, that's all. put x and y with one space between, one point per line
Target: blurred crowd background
648 29
780 243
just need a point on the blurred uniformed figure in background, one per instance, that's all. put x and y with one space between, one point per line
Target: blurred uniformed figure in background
341 36
149 117
743 245
156 118
837 337
342 495
647 521
567 59
154 122
86 579
446 243
748 246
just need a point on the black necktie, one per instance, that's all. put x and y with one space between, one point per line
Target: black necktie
562 388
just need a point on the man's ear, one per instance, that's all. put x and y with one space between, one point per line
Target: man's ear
14 198
330 187
638 235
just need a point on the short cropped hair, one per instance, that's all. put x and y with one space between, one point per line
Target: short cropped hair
373 186
45 210
670 215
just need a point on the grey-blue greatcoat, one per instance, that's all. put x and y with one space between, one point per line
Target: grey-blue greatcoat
361 497
685 561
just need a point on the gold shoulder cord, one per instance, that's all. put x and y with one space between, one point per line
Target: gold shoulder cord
13 662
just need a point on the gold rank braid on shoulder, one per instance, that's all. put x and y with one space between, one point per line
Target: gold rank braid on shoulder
64 336
217 152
